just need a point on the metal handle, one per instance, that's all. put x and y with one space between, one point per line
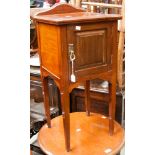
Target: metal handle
72 58
71 47
71 52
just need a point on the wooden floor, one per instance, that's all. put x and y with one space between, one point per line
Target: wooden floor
89 136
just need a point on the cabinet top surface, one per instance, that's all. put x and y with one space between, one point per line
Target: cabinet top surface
68 18
66 14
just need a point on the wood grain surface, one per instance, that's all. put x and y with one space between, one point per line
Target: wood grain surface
89 136
78 17
60 14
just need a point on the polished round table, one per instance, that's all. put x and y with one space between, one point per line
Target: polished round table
89 136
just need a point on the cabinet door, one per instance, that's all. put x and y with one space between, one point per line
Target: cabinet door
92 47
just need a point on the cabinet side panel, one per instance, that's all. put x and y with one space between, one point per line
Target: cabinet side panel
49 47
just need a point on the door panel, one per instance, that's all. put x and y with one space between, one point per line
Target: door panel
92 47
90 51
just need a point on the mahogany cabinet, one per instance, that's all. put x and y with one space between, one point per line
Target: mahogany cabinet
75 47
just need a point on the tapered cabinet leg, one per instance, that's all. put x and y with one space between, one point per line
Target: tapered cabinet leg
66 118
46 100
87 97
112 92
